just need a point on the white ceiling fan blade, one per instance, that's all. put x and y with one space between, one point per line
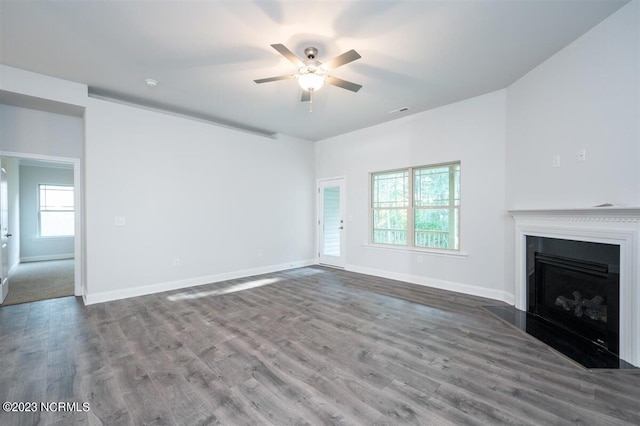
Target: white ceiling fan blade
340 60
278 78
343 84
282 49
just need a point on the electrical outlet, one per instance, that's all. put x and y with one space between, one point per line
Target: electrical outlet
555 161
260 252
582 155
176 262
420 259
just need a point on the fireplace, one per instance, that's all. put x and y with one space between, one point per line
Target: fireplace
597 247
574 286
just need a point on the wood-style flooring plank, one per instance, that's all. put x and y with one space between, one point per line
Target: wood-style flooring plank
305 346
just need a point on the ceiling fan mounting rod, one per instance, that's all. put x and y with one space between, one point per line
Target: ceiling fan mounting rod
311 52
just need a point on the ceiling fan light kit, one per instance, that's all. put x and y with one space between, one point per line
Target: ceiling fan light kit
310 81
312 74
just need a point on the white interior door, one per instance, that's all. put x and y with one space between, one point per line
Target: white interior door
331 222
4 229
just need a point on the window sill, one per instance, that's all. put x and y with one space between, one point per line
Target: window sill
426 251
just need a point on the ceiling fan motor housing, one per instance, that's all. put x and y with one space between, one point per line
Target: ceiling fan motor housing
310 52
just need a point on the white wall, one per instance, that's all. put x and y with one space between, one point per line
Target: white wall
472 131
587 96
184 193
29 131
584 97
33 248
40 116
41 89
212 197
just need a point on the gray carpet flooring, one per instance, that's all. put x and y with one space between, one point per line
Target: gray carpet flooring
35 281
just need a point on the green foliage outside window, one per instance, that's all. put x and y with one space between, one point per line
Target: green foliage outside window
429 195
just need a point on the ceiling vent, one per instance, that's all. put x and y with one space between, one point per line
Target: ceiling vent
399 110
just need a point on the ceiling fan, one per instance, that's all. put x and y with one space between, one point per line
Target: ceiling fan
312 74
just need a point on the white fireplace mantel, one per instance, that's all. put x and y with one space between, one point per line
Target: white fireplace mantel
610 225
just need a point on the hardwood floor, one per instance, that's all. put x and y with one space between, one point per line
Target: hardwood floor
307 346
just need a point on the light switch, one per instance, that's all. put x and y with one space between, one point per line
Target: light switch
120 221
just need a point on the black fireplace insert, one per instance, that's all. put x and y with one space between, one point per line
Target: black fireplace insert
579 296
575 286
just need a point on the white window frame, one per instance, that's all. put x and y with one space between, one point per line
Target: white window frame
40 210
411 209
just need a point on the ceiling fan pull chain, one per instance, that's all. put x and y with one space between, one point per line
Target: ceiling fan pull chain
310 100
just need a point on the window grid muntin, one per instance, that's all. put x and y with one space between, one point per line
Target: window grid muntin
47 193
452 205
386 179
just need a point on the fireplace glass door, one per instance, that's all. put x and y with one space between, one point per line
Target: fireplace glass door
576 292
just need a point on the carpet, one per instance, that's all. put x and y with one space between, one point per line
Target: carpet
34 281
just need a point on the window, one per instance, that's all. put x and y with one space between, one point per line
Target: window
417 207
56 213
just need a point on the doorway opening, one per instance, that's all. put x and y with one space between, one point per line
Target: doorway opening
41 228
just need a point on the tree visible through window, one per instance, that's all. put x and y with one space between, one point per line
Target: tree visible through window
417 207
390 207
56 211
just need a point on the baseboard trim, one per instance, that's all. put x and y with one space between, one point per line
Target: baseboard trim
108 296
436 283
27 259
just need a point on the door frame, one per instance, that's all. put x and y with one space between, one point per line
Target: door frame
340 181
78 199
4 230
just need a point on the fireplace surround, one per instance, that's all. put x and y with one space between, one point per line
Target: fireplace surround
616 227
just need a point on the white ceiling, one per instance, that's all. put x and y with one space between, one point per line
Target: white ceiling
206 54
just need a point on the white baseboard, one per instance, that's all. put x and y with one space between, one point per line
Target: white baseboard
509 298
107 296
46 257
436 283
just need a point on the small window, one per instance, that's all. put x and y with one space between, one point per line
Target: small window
56 212
417 207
